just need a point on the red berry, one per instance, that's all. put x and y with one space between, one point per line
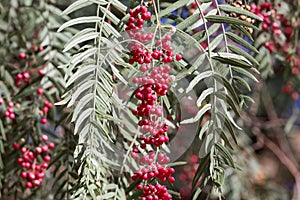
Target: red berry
40 91
139 187
43 121
23 150
37 183
178 57
19 76
47 158
45 148
41 72
6 114
29 184
44 165
10 104
26 75
51 145
38 150
295 95
16 146
31 176
12 116
23 175
22 55
171 179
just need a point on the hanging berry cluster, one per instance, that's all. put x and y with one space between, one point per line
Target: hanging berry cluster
34 161
153 83
239 4
280 28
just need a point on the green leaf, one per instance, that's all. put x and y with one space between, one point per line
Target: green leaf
206 145
82 72
86 86
245 72
115 20
172 7
227 85
242 81
223 118
243 53
82 36
119 5
79 20
178 163
228 20
81 104
210 31
226 153
241 41
229 9
224 137
204 128
188 22
204 95
232 61
215 43
81 4
230 101
197 79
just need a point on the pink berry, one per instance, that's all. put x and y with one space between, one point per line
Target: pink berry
6 114
19 76
139 187
41 72
23 150
45 148
36 183
26 75
12 116
10 104
47 158
44 138
38 150
1 101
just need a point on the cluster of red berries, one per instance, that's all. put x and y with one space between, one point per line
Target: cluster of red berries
160 192
44 111
34 48
154 82
273 23
186 176
9 113
34 163
288 89
24 76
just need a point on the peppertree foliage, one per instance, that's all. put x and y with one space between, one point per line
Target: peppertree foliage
92 75
31 80
85 62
